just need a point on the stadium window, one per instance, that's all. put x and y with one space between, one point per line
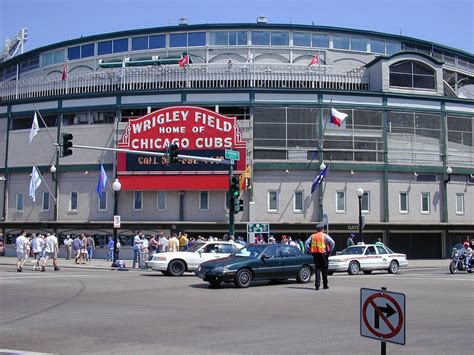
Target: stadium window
196 39
341 42
237 38
73 201
34 62
161 200
104 47
157 41
340 201
139 43
120 45
359 44
220 38
58 56
377 46
272 201
301 39
425 202
298 201
178 40
19 202
393 47
203 200
280 38
403 202
320 41
412 74
87 50
260 38
460 203
137 200
45 201
102 202
74 52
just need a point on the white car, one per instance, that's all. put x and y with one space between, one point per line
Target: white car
176 263
366 257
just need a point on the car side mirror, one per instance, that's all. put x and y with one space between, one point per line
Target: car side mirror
265 256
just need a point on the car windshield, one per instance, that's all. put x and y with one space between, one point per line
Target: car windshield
252 250
353 250
195 247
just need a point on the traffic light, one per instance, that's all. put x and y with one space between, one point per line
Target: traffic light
235 187
173 153
239 205
66 145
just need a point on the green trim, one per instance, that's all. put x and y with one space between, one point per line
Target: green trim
60 168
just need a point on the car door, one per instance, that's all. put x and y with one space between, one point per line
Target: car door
270 266
371 259
225 250
291 260
207 252
384 257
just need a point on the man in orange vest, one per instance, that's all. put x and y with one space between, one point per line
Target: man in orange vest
320 246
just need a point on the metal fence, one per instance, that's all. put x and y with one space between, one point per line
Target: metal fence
194 76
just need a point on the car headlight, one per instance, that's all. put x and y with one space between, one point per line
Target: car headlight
221 269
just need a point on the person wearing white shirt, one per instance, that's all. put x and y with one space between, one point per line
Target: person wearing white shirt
37 246
50 251
21 246
68 246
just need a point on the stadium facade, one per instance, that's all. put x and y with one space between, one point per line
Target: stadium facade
407 139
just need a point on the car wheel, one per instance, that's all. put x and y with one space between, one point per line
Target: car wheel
354 268
243 278
393 268
367 272
304 274
176 268
215 283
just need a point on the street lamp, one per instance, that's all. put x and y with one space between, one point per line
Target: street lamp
321 195
116 186
52 169
360 193
449 171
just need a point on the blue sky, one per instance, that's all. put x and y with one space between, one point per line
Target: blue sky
447 22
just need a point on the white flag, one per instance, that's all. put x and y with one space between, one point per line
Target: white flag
34 127
35 182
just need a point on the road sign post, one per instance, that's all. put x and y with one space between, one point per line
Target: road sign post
382 316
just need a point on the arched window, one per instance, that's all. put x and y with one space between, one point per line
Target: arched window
412 74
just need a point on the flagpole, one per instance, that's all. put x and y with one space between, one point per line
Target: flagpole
42 120
42 179
17 79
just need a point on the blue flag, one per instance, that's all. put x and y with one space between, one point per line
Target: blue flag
319 179
102 181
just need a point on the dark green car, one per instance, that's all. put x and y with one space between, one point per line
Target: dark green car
258 262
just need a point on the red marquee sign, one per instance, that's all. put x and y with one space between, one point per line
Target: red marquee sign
197 132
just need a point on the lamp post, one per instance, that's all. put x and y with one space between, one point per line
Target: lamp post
116 186
321 195
52 169
360 193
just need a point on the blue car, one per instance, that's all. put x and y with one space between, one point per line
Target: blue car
258 262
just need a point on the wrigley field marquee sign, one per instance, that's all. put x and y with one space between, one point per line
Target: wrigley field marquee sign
197 132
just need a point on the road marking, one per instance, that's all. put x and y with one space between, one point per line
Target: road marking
22 352
49 276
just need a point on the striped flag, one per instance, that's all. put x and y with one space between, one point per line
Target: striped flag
337 117
319 179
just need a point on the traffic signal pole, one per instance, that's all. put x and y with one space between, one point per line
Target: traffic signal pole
231 200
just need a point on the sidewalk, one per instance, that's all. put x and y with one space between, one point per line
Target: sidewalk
102 264
99 264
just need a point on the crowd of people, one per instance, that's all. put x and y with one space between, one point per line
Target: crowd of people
40 248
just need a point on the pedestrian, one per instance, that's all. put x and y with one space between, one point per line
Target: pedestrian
144 245
153 246
50 252
76 247
163 242
37 246
301 244
90 247
136 249
183 242
320 246
68 247
21 246
119 245
173 243
110 249
379 241
350 240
